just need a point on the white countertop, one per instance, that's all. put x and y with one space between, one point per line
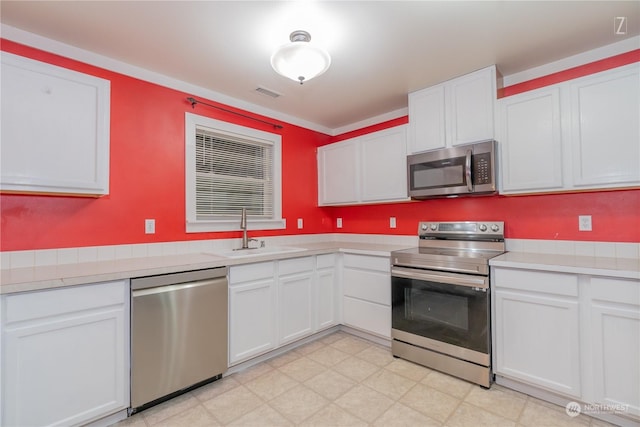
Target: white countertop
597 266
45 277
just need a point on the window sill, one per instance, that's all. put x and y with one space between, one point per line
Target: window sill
234 225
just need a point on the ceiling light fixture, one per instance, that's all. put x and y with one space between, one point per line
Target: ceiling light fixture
299 60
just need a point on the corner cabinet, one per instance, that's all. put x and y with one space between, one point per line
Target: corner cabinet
55 129
367 169
575 335
577 135
65 355
459 111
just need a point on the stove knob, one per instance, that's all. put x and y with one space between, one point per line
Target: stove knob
495 228
434 227
483 227
424 227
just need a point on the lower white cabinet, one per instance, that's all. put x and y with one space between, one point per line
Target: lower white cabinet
274 303
573 334
537 330
65 355
252 310
367 293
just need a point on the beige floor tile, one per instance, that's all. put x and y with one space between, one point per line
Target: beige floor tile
197 416
403 416
408 369
389 384
333 416
271 384
336 336
330 384
233 404
364 402
283 359
252 373
310 347
302 369
536 414
262 416
467 415
328 356
447 384
215 388
355 368
431 402
351 345
299 403
133 421
497 400
169 408
377 355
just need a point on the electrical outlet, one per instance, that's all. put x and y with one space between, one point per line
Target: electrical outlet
299 223
584 223
150 226
339 222
392 222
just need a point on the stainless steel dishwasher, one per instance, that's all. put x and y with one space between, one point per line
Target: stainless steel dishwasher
178 333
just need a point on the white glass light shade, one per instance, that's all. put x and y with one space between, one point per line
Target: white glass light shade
300 61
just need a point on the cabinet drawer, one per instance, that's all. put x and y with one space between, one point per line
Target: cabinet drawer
295 265
40 304
367 262
538 281
249 272
615 290
368 316
326 261
367 285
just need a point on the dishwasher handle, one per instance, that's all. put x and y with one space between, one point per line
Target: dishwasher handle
179 287
184 277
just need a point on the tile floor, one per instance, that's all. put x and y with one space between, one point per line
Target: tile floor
343 380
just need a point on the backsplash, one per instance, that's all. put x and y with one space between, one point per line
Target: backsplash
50 257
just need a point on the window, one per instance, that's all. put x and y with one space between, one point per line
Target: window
229 167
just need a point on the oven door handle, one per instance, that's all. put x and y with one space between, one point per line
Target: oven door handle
410 273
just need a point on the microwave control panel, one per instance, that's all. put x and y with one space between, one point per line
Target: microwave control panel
482 168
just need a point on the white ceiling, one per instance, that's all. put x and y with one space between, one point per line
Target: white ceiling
381 50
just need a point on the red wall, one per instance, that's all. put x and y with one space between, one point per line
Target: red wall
147 181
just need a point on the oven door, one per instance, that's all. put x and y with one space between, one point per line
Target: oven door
445 312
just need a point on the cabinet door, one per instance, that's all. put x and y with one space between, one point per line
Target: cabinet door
470 101
338 173
367 316
295 308
65 355
326 298
537 339
384 165
55 129
605 128
531 141
251 319
615 335
427 119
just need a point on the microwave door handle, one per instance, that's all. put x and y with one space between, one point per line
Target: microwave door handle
467 171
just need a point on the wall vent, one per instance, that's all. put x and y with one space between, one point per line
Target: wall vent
268 92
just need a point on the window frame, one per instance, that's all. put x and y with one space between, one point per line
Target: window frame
193 225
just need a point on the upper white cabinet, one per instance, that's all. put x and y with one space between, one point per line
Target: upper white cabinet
65 355
576 135
55 129
455 112
366 169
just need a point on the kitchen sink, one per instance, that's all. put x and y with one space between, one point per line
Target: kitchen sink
267 250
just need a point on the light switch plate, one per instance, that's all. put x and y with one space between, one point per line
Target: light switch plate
339 222
299 223
392 222
584 223
150 226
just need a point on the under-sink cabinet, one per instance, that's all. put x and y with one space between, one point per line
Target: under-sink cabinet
65 355
574 335
274 303
366 301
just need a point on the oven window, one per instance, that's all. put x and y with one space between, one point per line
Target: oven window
458 315
441 173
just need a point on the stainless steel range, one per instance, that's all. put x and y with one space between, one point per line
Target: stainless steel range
441 298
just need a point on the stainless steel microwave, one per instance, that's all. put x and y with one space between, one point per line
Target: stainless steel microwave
463 170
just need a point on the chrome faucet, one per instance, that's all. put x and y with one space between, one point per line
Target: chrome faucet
243 227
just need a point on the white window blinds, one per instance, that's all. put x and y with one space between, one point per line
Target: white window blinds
232 173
